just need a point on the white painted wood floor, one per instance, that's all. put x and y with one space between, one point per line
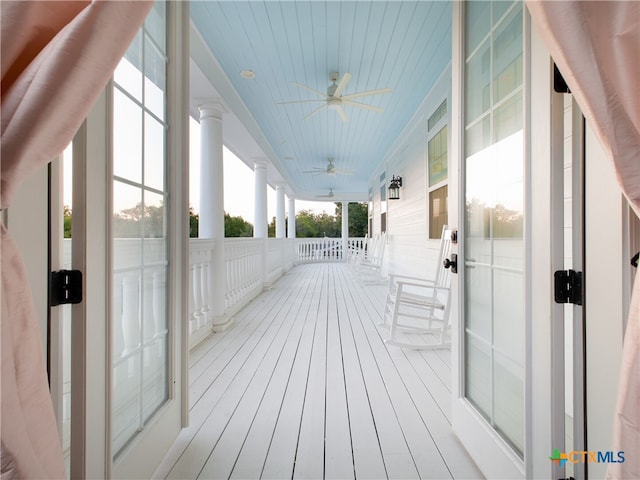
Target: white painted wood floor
302 386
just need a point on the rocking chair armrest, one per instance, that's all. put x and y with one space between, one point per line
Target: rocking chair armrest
407 278
431 288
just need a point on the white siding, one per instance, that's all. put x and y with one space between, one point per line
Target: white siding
409 249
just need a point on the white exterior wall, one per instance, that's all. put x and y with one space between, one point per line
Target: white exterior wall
409 249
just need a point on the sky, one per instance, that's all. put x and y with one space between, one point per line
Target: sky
238 200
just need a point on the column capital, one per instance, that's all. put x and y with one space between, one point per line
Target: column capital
259 164
213 108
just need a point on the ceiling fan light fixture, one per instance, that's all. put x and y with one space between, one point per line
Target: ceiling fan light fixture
248 74
333 103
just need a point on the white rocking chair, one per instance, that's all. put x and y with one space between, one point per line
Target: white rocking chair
369 267
420 305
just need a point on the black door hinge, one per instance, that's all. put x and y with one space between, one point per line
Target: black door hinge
568 286
65 287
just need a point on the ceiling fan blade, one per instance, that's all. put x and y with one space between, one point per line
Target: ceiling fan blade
343 115
317 92
379 91
363 105
315 170
342 84
301 101
315 111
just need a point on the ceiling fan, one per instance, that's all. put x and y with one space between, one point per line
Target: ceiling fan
330 169
334 99
330 195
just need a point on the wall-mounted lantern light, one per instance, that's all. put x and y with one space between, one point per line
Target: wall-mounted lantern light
394 188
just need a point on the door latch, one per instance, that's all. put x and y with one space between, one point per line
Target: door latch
65 287
453 263
568 286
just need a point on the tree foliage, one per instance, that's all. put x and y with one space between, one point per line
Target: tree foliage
194 220
233 226
237 227
67 222
146 221
358 218
316 225
134 221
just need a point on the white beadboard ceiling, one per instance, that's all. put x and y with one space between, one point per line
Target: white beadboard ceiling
403 45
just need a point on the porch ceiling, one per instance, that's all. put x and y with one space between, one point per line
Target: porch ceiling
401 45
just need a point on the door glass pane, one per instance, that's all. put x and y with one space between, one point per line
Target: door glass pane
127 128
154 151
494 313
140 259
128 73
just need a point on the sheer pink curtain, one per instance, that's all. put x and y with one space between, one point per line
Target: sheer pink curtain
56 58
596 46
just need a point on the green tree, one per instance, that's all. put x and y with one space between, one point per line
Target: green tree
233 226
237 227
194 223
67 222
147 220
306 226
358 218
271 228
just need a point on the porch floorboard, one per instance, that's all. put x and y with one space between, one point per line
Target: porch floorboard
303 386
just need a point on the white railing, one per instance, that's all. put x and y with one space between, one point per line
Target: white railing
319 250
250 265
200 256
243 267
355 246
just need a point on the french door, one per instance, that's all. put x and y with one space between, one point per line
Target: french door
116 359
534 380
489 349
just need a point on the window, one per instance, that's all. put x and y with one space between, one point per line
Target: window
383 203
437 153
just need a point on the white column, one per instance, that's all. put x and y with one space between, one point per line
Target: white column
280 228
211 224
260 210
345 229
291 225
